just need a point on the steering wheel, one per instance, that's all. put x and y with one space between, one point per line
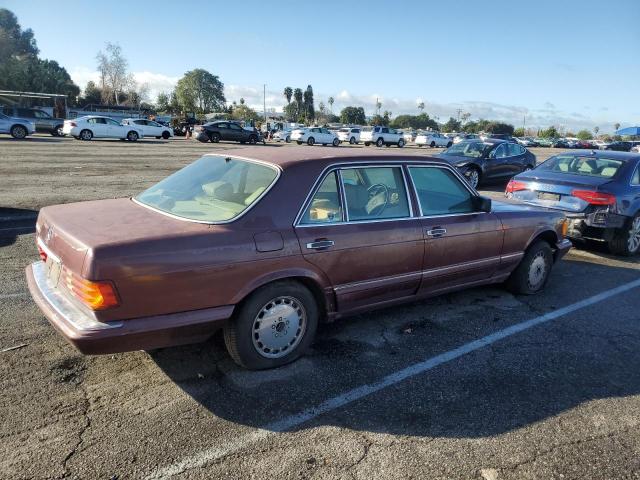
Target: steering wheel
374 191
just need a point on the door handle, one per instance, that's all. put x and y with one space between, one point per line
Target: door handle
320 244
436 232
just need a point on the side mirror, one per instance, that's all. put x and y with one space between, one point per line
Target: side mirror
482 204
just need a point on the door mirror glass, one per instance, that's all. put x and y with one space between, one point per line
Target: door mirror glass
482 204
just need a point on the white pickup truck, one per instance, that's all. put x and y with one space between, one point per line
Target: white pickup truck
381 136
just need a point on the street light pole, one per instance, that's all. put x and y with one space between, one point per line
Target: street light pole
264 102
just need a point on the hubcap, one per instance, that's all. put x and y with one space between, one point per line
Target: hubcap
634 236
537 271
472 177
279 327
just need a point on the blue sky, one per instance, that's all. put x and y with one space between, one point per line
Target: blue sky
571 63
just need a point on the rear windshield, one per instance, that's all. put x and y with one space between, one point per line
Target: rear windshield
588 166
212 189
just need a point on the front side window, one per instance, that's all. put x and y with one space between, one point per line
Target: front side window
374 193
212 189
221 126
325 206
440 192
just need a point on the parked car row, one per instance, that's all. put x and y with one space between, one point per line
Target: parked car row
43 122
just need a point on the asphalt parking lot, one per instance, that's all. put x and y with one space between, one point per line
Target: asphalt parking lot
476 384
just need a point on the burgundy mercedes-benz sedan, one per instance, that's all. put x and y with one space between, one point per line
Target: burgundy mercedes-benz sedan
268 246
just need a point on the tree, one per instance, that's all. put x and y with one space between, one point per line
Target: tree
330 102
15 42
244 112
616 126
518 132
378 107
596 130
584 134
452 125
309 111
465 117
499 127
162 102
550 132
114 78
200 91
353 116
287 94
422 121
421 107
241 101
91 94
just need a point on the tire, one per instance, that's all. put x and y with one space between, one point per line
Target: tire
379 142
473 176
299 142
288 139
253 140
432 144
419 145
158 138
532 274
311 141
336 142
449 144
215 137
256 346
166 135
352 141
132 136
366 144
18 132
86 135
57 131
527 168
626 240
401 143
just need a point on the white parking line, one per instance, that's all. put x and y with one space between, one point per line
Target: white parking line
201 458
13 295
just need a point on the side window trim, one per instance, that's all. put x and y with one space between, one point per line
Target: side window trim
456 174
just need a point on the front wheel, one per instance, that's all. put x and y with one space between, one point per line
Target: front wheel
132 136
449 144
379 142
401 143
299 142
336 142
533 272
311 141
288 139
626 241
86 135
366 144
215 137
473 177
273 327
253 140
166 135
352 140
18 132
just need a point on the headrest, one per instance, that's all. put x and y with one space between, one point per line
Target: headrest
219 190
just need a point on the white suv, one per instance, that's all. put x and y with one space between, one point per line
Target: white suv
433 139
382 136
349 134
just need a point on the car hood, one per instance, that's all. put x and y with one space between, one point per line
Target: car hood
457 160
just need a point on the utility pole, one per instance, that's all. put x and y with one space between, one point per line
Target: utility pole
524 121
264 102
459 111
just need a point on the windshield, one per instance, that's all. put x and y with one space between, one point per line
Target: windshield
212 189
589 166
469 149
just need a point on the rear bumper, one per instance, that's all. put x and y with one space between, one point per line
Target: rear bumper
91 336
596 225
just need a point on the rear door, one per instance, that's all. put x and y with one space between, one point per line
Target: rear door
462 245
359 230
497 165
516 159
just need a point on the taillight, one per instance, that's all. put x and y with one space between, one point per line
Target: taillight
96 295
515 186
42 253
595 198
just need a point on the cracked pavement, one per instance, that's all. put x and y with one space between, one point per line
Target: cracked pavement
561 400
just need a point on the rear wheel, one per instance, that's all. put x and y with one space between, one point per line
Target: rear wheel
352 140
274 326
311 141
288 139
533 272
253 140
401 143
86 135
215 137
379 142
449 144
432 144
366 144
132 136
626 241
336 142
57 132
299 142
166 135
18 132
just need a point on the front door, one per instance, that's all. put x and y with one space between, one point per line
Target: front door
462 244
497 165
372 250
235 132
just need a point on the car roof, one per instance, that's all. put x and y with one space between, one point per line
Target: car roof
285 157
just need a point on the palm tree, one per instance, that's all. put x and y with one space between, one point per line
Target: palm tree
465 117
241 101
421 107
288 93
330 102
596 130
378 106
616 126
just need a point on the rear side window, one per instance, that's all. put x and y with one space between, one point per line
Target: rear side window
440 192
635 180
325 206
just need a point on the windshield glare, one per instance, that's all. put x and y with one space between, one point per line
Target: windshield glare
575 165
212 189
469 149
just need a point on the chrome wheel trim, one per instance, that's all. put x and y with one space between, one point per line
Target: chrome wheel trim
527 169
86 135
537 271
633 242
472 177
279 327
20 132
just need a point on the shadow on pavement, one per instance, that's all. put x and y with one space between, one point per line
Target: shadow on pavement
513 383
14 222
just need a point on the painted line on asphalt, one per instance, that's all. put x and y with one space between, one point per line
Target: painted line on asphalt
13 295
214 453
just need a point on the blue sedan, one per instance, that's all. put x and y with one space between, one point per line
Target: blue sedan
599 191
